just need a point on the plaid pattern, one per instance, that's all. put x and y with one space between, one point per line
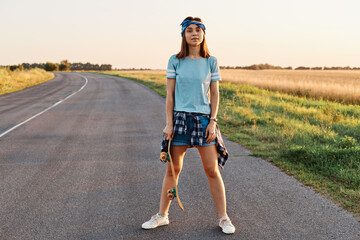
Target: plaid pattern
180 123
181 128
197 135
223 154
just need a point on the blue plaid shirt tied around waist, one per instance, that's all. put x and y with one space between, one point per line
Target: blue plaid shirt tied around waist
197 135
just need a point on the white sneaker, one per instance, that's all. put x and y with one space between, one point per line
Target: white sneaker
226 225
156 221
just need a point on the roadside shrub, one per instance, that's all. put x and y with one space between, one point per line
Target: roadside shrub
64 65
15 67
49 66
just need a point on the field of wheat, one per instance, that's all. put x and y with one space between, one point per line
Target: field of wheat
336 85
340 86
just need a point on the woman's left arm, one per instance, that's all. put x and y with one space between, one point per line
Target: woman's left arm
214 104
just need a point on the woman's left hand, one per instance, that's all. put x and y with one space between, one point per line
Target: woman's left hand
210 132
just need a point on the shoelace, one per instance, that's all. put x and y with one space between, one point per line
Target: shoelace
156 218
226 222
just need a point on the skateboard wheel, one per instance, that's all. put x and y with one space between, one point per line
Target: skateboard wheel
170 194
163 156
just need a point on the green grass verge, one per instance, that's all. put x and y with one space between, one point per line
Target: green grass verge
315 141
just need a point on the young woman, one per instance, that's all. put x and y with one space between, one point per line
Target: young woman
192 102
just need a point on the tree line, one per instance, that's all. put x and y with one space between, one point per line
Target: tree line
268 66
64 65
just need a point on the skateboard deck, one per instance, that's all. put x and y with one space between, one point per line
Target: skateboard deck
172 193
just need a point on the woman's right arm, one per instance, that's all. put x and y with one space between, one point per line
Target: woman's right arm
170 96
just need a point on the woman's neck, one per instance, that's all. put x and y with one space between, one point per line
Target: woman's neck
194 51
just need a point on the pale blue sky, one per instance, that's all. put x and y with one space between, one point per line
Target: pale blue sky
140 33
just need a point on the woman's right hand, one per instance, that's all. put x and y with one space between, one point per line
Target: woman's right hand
168 132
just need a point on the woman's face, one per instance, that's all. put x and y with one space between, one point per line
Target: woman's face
194 35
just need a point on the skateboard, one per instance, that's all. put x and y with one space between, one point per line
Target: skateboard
172 193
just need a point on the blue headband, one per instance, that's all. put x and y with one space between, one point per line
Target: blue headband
186 23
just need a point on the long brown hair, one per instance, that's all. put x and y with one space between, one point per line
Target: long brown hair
184 51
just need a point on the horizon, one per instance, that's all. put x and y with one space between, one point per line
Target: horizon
129 34
221 67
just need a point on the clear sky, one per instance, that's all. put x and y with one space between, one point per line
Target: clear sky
145 33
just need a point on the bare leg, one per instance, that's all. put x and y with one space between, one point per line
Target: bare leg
177 155
210 163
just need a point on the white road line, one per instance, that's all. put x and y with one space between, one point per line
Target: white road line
29 119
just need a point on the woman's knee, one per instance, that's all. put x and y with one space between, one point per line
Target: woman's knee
212 172
177 171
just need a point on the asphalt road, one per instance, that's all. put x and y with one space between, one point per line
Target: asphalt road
88 168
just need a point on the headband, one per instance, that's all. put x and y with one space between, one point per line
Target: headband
186 23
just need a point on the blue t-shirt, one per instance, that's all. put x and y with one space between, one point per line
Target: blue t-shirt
192 87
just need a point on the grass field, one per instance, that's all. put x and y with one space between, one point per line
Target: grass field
316 141
17 80
335 85
340 86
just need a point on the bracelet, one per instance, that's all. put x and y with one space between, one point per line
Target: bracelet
213 118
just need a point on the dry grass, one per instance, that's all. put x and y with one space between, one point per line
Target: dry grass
340 86
336 85
17 80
